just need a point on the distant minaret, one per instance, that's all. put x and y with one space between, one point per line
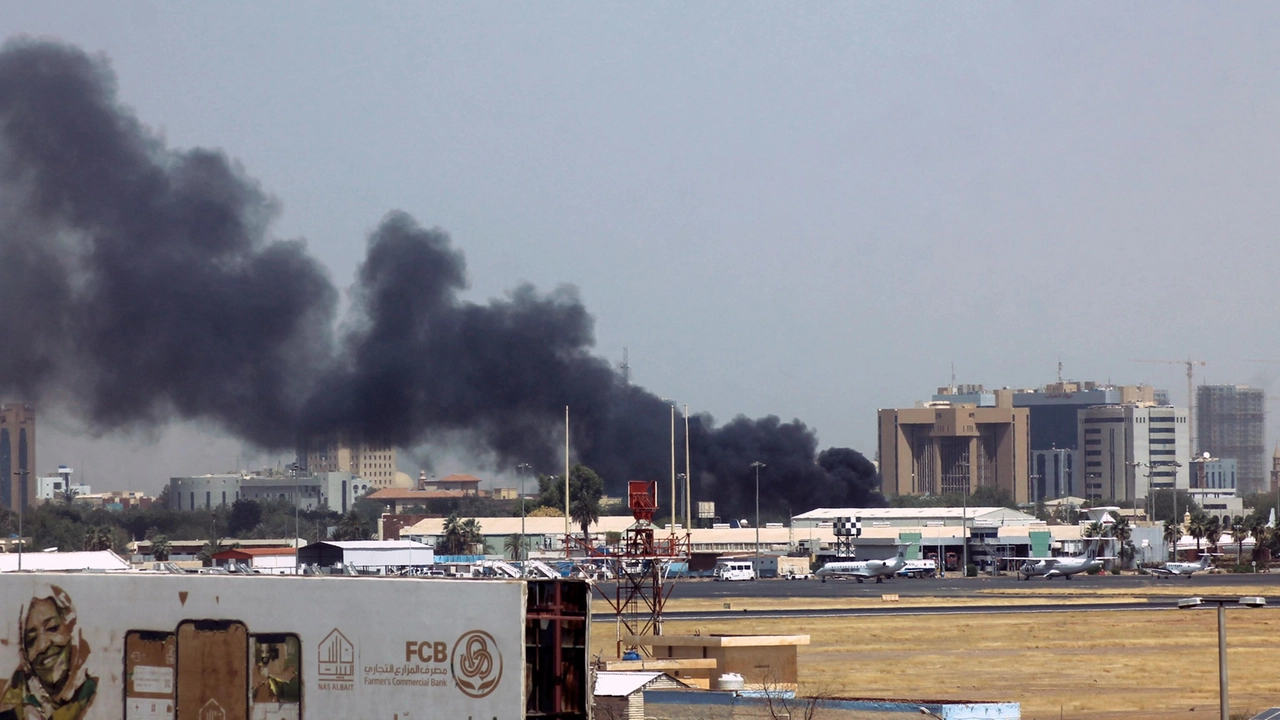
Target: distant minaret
625 366
1275 469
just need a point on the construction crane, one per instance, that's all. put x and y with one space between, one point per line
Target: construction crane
1191 400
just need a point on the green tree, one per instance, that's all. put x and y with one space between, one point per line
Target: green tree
472 536
454 536
1093 529
1172 533
68 495
1122 531
516 546
1258 531
1213 532
99 537
1198 528
551 492
245 516
585 490
351 527
214 546
1238 528
160 548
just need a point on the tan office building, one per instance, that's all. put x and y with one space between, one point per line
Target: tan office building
17 455
375 463
941 449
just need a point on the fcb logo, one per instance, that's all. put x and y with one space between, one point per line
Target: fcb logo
476 664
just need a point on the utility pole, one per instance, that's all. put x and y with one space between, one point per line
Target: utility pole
674 496
688 496
757 465
520 470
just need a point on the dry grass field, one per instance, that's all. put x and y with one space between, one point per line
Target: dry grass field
1150 664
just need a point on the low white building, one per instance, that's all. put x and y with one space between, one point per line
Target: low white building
368 555
53 487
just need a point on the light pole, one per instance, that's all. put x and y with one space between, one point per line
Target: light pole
1222 602
757 465
520 470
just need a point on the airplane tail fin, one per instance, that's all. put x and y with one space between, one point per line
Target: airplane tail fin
1091 553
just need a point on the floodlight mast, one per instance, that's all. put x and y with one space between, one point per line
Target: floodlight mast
1251 601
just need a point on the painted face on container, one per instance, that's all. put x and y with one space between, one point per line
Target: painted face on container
46 643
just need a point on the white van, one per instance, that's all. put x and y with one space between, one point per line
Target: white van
735 570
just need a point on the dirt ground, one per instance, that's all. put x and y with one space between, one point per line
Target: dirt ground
1148 664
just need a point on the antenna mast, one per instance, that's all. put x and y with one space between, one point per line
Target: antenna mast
625 367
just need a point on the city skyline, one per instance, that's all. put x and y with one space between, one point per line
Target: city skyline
809 214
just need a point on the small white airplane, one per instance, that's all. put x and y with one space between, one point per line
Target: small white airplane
1187 569
865 569
1063 567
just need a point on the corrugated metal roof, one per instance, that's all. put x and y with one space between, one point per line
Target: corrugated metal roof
103 560
1270 714
374 544
918 513
622 684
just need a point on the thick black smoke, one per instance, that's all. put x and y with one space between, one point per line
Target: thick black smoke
141 284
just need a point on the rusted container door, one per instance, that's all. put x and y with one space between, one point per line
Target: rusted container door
213 670
150 659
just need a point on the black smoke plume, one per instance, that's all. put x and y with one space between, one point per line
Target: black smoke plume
141 284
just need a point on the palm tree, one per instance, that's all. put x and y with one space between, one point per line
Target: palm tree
1213 532
472 535
160 548
99 538
514 546
1172 534
454 538
351 528
1122 531
1258 531
1198 528
1237 532
1093 529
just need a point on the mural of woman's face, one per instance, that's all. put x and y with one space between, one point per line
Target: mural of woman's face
46 643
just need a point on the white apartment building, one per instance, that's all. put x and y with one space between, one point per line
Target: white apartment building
1128 450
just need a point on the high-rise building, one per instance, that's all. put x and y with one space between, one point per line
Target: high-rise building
946 449
1055 465
1230 423
374 463
1128 450
17 455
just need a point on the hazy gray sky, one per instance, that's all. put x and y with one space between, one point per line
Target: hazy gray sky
808 210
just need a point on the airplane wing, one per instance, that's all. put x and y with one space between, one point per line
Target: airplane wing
1160 571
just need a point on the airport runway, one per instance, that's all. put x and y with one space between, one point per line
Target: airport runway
951 586
1133 586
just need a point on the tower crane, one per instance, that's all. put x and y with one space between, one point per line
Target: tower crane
1191 400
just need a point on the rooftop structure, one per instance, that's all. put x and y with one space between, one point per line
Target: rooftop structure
98 561
954 449
1231 423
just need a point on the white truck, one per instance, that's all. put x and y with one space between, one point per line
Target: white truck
734 570
144 646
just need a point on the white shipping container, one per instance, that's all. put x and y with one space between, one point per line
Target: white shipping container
150 647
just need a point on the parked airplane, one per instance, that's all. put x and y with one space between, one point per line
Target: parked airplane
1182 568
865 569
1063 567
